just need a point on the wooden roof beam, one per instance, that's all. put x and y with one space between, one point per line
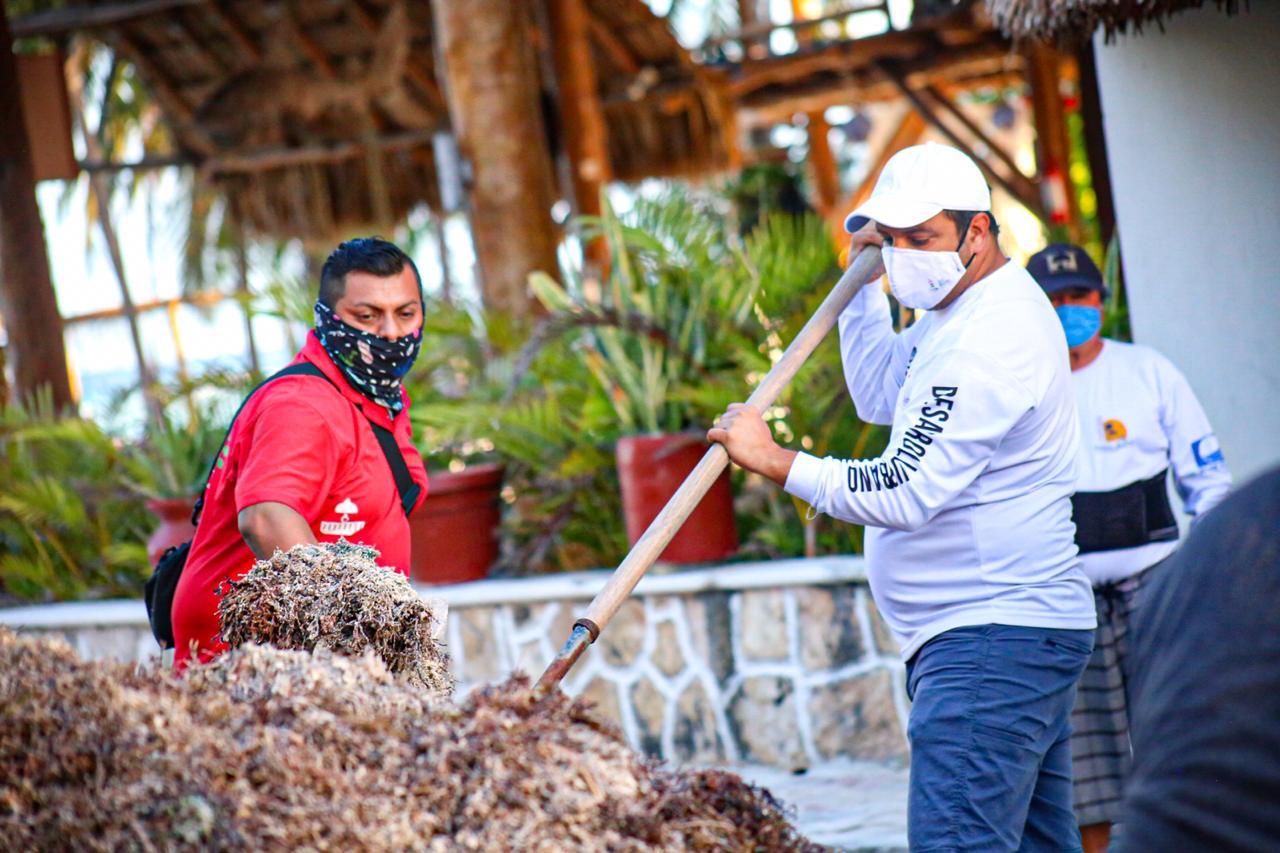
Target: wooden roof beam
198 45
278 158
67 19
970 125
779 104
420 76
1015 185
171 100
244 42
313 51
762 30
617 50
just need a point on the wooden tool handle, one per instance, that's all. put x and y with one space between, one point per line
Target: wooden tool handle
659 533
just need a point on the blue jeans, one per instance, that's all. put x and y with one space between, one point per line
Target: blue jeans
990 739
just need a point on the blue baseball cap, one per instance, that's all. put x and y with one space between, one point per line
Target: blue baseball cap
1064 265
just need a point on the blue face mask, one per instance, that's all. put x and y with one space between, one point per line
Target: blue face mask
1080 322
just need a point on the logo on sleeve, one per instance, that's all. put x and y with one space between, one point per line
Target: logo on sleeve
892 471
1207 451
344 526
1114 429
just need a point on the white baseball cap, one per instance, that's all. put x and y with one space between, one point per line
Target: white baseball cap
920 182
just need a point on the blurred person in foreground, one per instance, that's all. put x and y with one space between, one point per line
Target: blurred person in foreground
970 548
312 457
1139 420
1205 697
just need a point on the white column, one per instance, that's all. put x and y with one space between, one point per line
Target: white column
1192 120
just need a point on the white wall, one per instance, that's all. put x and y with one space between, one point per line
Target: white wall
1192 120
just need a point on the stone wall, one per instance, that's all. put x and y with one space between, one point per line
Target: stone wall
784 663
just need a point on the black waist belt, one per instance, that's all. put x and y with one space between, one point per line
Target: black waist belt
1133 515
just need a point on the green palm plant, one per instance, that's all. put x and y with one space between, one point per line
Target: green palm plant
691 319
174 455
793 259
674 317
68 526
482 393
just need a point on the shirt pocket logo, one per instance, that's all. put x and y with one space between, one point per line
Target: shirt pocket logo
344 526
1113 429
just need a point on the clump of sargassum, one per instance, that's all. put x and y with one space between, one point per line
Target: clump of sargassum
336 597
269 748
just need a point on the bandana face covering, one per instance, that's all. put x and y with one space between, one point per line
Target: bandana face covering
373 365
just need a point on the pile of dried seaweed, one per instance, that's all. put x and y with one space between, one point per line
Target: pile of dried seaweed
265 748
336 597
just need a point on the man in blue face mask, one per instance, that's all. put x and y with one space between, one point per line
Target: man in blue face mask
1138 420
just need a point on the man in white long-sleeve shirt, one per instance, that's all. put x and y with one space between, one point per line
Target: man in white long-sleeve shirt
1138 419
970 544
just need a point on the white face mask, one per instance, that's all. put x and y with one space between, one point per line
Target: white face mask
921 279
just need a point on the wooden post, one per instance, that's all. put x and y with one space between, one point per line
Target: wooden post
1095 143
1053 145
27 299
581 115
822 164
487 57
908 132
438 223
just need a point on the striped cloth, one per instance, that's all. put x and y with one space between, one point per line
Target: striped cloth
1100 751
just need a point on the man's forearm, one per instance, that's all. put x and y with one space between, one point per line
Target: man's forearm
778 465
267 527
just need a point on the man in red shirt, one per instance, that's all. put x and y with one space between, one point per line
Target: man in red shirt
302 462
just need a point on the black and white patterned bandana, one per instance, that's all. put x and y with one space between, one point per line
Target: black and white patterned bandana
373 365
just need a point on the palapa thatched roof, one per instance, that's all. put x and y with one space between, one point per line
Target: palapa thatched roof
1076 20
315 117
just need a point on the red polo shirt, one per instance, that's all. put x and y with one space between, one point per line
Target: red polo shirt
305 443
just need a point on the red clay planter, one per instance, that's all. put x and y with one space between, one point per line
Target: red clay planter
455 531
175 525
651 468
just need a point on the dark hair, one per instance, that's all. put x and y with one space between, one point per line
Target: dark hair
962 218
364 254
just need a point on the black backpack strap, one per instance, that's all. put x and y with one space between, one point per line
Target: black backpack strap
408 489
405 486
304 368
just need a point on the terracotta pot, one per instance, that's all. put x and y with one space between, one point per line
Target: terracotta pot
175 525
455 531
651 468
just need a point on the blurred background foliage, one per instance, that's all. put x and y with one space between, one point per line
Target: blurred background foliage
704 289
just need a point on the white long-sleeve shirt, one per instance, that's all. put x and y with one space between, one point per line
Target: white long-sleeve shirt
1138 416
968 510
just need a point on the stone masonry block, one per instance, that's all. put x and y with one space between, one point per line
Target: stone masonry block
481 659
603 693
856 718
830 636
650 707
711 632
697 738
524 615
667 656
762 717
885 643
622 641
763 622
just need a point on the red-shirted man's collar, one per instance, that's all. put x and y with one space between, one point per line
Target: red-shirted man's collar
313 352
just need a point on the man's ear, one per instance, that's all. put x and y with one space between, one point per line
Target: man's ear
980 232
